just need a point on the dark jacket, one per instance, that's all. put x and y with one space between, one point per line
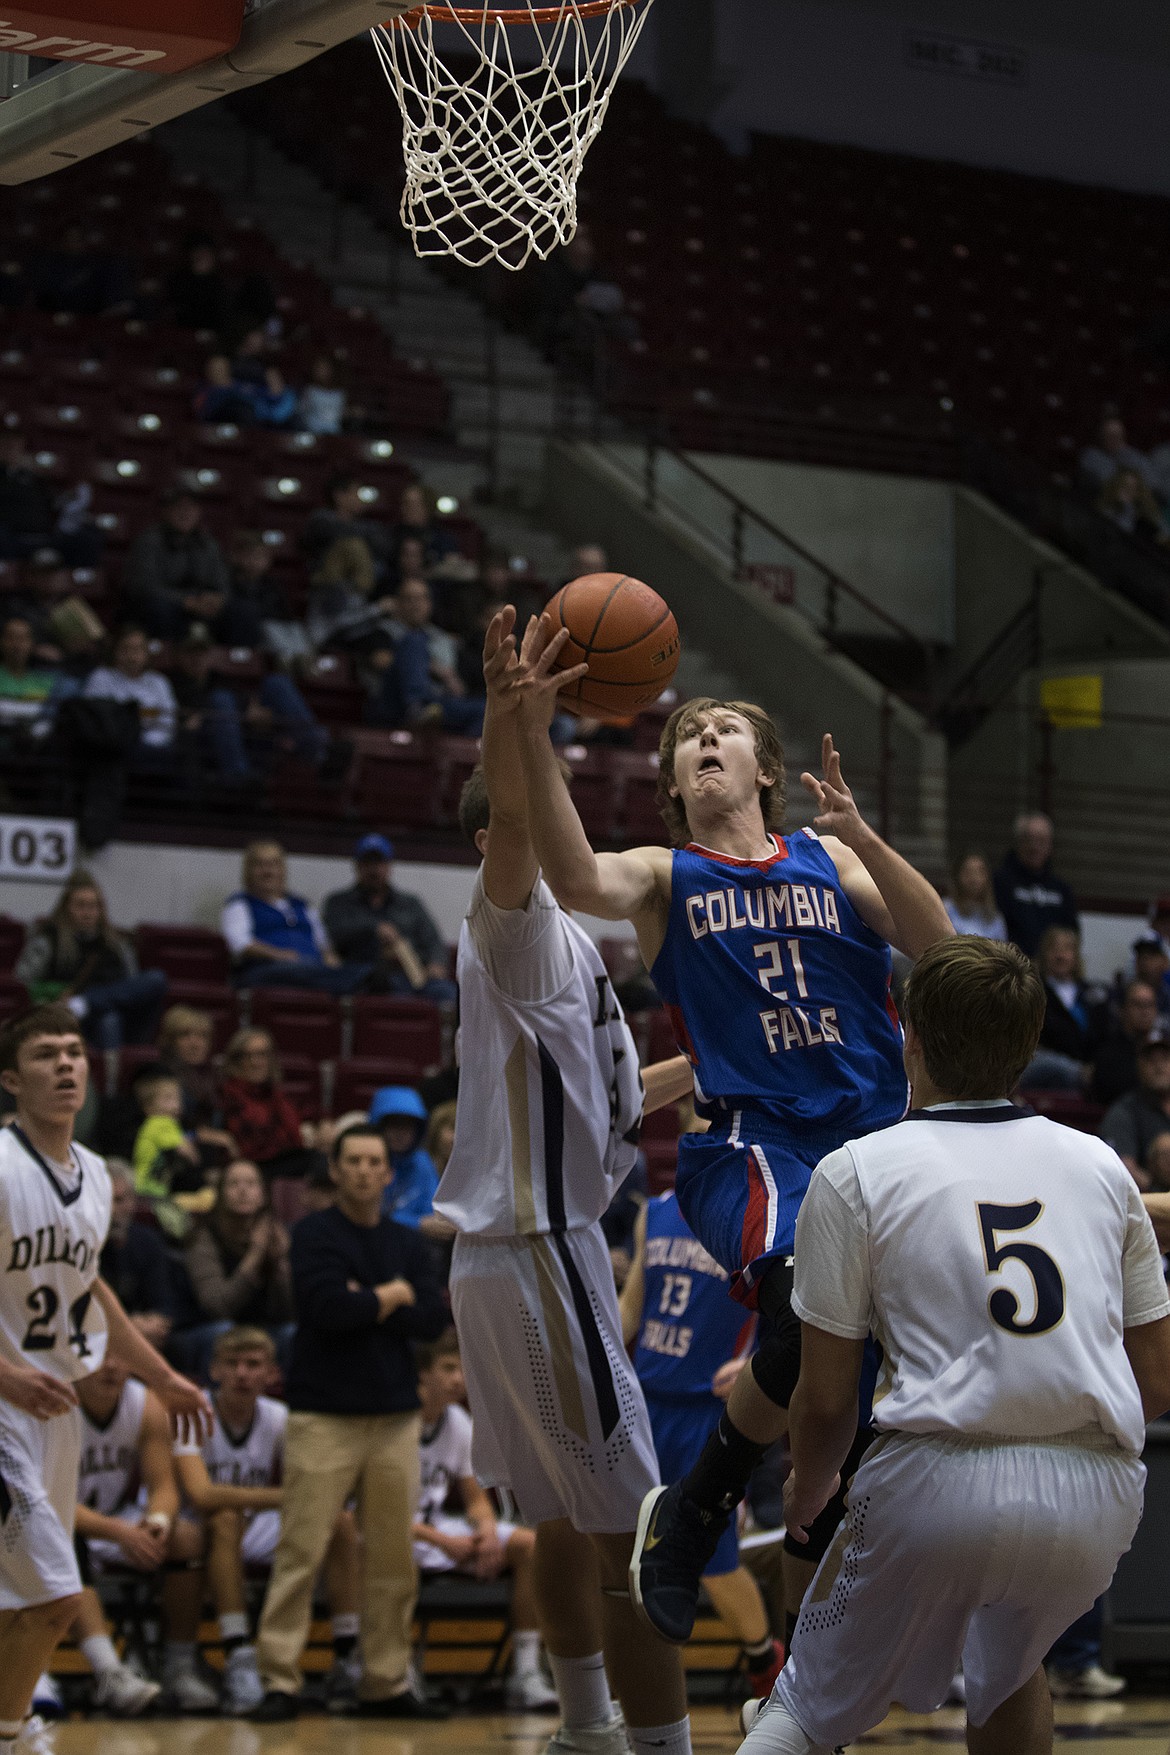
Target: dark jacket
1115 1069
44 964
1032 901
138 1271
174 562
344 1360
352 924
1074 1031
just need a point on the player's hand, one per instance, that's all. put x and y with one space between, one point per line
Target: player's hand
191 1413
501 661
725 1378
36 1392
802 1507
539 683
144 1548
837 813
460 1549
490 1558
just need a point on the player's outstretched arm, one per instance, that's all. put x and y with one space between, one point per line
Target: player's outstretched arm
156 1463
632 1297
187 1405
509 863
207 1495
822 1421
614 886
667 1081
892 898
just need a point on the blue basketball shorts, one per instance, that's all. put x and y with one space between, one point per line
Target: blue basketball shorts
680 1431
740 1187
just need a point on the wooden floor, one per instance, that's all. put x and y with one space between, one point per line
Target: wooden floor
1137 1727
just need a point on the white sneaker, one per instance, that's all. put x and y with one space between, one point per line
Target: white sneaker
34 1737
1091 1683
242 1688
186 1691
47 1698
123 1693
749 1712
530 1693
610 1739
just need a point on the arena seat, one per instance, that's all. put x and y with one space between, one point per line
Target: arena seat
300 1021
406 1030
11 941
355 1081
301 1082
660 1042
184 953
1067 1107
396 782
14 996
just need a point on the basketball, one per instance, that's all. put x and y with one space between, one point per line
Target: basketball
625 633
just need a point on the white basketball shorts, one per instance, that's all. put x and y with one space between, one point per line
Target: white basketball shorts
38 1499
559 1417
954 1549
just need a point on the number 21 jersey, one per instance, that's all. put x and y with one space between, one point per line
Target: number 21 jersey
51 1235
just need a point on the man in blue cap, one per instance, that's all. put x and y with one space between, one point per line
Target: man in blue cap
373 923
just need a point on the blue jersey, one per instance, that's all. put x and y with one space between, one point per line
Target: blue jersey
690 1324
779 992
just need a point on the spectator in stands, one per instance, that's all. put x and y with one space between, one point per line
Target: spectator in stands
416 520
472 1541
239 739
134 1261
1137 1126
1160 920
130 679
72 277
1130 503
185 1042
426 670
1115 1064
322 402
35 516
276 939
29 692
66 631
586 558
261 603
364 1290
238 1264
400 1115
344 609
176 575
971 904
197 293
440 1136
1110 453
1151 962
168 1169
1030 895
259 1115
372 923
77 956
219 399
343 515
1075 1018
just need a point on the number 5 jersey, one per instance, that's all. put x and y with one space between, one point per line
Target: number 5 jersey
53 1224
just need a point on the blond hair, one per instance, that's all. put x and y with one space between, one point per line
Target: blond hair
688 721
177 1020
347 561
238 1341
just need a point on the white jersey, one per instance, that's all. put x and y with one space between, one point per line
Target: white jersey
445 1458
252 1458
550 1095
998 1258
52 1230
108 1476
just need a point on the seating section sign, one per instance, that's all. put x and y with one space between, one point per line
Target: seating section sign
37 847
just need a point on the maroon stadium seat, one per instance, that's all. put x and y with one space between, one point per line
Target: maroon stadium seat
357 1080
184 953
406 1030
300 1021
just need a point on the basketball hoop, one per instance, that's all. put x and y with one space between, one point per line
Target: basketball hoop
493 153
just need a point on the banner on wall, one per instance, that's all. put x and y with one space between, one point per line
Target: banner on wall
964 58
37 848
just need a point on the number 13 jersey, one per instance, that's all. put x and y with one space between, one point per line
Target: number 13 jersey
998 1258
52 1231
779 991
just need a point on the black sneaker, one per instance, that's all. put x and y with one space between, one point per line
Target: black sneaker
672 1547
407 1705
274 1709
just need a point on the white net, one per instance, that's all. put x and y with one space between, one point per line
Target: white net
498 113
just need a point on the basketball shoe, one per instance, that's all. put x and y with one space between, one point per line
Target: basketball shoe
672 1547
123 1694
1091 1683
602 1739
750 1711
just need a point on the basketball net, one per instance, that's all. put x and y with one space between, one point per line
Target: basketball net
493 150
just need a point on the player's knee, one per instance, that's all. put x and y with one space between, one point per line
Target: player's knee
186 1539
521 1547
776 1367
58 1616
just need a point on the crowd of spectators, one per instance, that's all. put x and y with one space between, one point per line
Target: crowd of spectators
1131 488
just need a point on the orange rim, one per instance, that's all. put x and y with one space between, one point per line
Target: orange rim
442 11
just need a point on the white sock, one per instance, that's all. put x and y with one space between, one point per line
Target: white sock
661 1739
233 1625
179 1654
776 1732
98 1652
526 1652
582 1689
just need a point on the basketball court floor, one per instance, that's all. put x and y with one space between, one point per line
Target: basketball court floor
1137 1727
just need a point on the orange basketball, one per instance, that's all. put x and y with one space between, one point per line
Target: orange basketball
625 633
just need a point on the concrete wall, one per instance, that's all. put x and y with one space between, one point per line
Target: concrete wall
889 536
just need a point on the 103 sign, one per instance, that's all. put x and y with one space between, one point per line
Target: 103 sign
37 847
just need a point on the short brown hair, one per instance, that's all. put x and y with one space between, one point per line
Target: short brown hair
427 1353
977 1008
54 1019
689 719
474 809
236 1341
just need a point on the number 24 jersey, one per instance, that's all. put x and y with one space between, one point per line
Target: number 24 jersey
51 1236
998 1258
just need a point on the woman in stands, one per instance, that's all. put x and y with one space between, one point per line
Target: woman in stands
971 905
237 1262
77 956
1075 1018
184 1048
263 1122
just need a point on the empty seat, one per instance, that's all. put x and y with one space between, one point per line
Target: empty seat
405 1030
356 1081
398 785
14 996
300 1021
660 1042
11 940
184 953
301 1083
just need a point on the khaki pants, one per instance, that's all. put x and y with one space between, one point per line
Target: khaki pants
328 1457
